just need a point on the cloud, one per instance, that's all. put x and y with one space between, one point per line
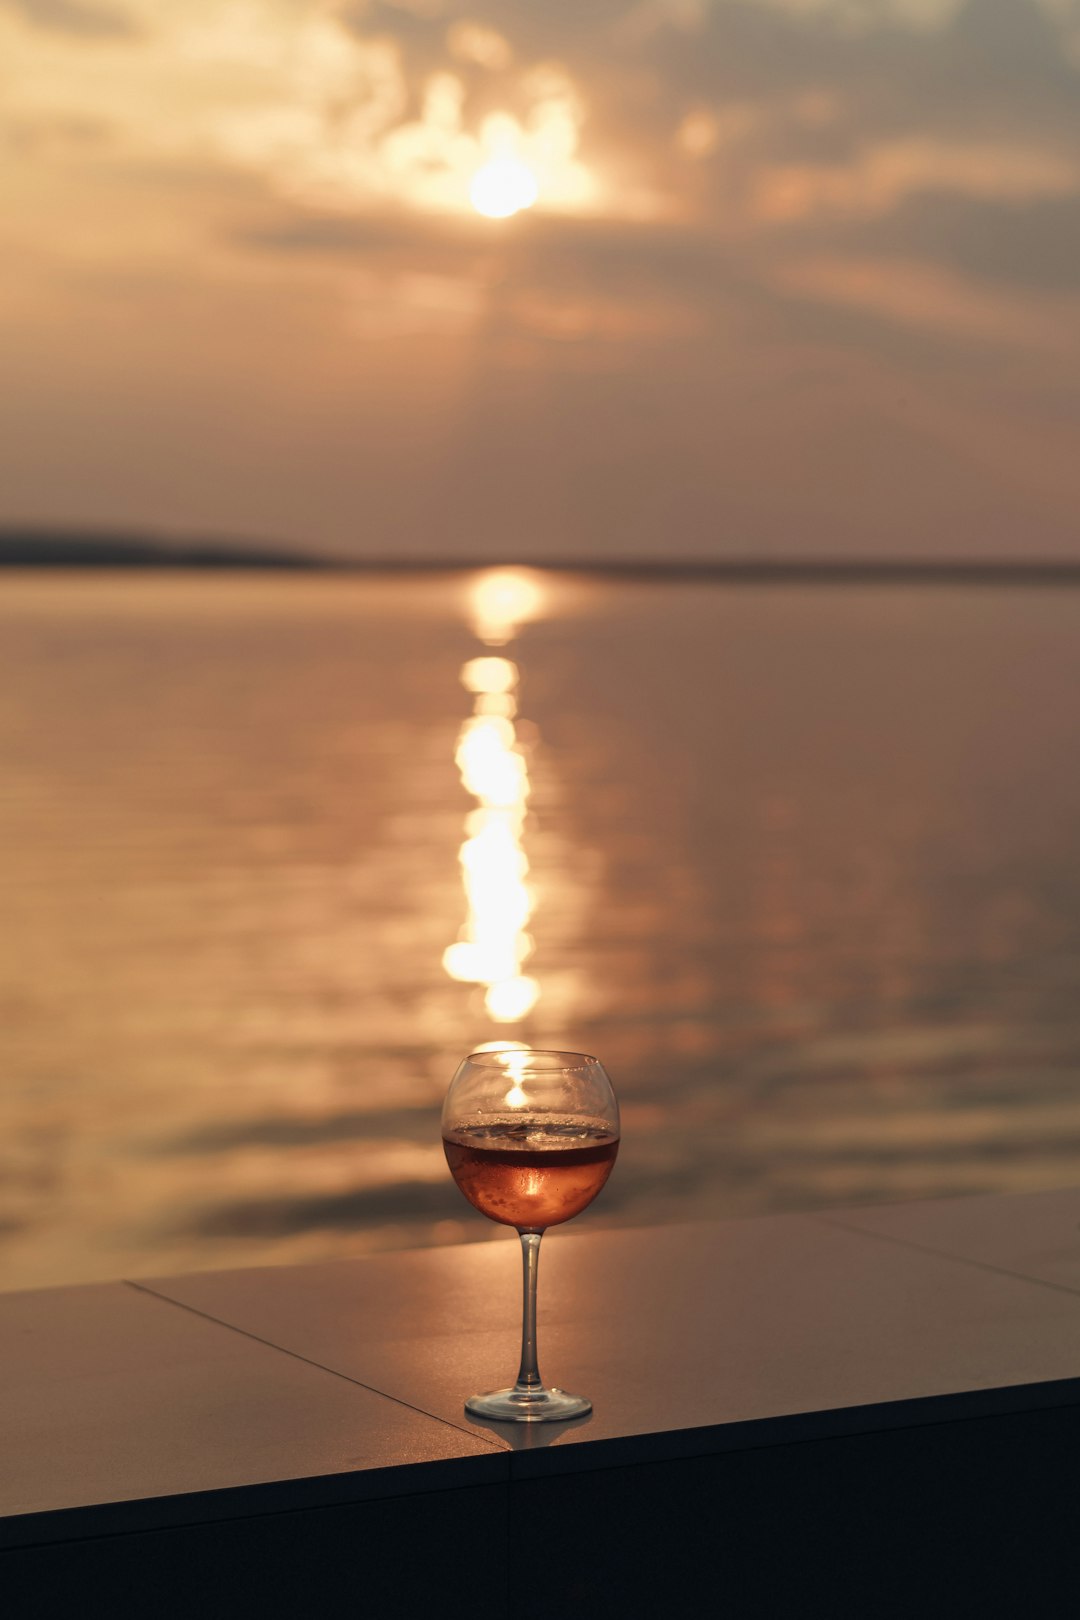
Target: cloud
760 222
693 17
882 176
314 106
77 17
1033 244
759 109
483 47
930 298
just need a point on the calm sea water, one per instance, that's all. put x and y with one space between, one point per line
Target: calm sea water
803 868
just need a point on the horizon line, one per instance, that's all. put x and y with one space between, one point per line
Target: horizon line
41 548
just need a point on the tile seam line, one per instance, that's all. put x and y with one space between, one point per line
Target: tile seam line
947 1254
308 1361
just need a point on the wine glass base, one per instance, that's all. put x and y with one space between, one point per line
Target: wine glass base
528 1406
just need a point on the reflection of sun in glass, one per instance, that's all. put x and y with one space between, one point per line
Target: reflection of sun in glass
517 1061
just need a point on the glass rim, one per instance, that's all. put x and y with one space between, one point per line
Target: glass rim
523 1056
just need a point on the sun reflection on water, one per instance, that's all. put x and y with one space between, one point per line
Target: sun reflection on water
495 942
501 601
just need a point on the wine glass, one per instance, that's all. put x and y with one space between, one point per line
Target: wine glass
530 1138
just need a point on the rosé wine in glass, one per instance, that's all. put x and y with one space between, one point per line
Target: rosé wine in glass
530 1137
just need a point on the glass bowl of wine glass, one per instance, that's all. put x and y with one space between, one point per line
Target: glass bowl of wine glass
530 1137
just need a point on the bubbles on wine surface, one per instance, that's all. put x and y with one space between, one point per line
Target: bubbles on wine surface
507 1133
531 1173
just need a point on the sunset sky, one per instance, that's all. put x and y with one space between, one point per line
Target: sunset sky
800 278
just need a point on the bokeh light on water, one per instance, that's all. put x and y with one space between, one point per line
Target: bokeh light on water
495 942
801 868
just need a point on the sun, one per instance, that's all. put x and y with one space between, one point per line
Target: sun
503 187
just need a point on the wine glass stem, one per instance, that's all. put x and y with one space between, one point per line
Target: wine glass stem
528 1378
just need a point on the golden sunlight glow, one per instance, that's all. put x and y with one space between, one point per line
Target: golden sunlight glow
489 675
501 601
503 187
523 162
494 941
511 1000
496 703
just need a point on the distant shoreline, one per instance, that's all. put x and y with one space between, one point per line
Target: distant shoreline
49 550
